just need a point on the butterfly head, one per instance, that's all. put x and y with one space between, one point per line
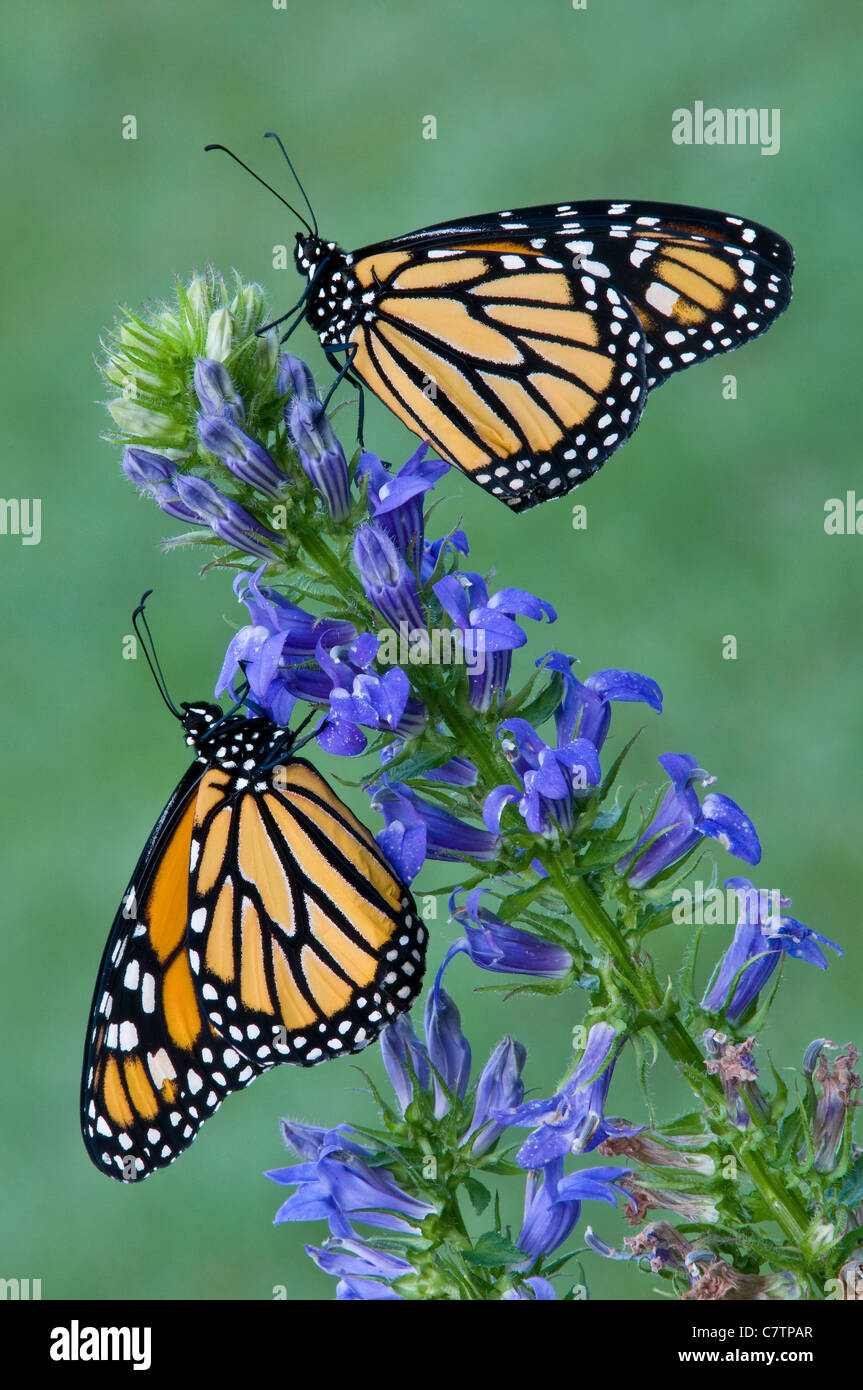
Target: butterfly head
311 252
198 719
308 254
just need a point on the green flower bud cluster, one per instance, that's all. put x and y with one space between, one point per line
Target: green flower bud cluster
150 361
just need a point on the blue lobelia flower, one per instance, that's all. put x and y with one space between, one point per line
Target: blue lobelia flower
386 579
396 500
572 1121
320 453
681 823
417 830
445 1060
360 698
496 945
310 1141
244 456
552 779
360 1268
155 474
456 772
585 709
448 1050
339 1180
762 938
145 468
366 1290
295 377
499 1087
225 517
280 640
400 1046
552 1204
488 627
340 1186
216 391
288 654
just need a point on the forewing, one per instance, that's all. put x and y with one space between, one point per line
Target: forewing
144 1094
520 369
702 282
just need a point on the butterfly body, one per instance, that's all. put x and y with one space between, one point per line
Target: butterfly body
523 344
262 925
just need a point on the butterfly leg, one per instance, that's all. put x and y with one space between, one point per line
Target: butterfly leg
344 373
288 331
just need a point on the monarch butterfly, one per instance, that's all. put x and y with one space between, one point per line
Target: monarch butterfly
522 344
262 924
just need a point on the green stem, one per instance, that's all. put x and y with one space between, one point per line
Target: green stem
470 742
330 564
588 910
784 1205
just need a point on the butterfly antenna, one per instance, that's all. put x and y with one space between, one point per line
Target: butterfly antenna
271 135
152 662
268 186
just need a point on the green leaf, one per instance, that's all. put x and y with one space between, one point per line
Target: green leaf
851 1194
780 1099
492 1250
501 1168
479 1194
512 906
790 1138
846 1246
686 977
611 775
602 853
415 764
691 1123
539 709
643 1064
615 816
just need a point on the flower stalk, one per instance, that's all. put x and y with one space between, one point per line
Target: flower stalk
508 776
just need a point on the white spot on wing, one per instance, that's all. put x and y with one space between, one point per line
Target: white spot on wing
161 1069
661 297
148 994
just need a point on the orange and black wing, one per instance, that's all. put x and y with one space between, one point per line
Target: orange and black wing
514 368
702 282
144 1089
522 344
263 925
303 941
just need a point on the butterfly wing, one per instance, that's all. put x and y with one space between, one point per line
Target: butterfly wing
454 328
147 1042
303 941
525 374
257 928
702 282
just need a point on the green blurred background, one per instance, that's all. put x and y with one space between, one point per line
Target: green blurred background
710 522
